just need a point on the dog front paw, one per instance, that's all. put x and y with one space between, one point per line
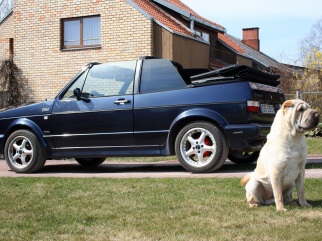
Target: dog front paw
281 209
253 205
291 203
306 205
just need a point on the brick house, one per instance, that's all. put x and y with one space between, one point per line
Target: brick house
51 40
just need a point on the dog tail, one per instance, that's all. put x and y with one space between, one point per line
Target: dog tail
245 180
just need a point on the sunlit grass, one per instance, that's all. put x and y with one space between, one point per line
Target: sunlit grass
314 145
148 209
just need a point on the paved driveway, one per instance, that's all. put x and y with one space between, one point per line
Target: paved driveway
169 169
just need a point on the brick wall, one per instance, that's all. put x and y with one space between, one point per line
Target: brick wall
6 32
125 34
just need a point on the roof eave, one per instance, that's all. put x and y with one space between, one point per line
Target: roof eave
188 15
210 25
173 7
133 4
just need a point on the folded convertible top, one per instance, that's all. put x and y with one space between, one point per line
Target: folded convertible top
239 72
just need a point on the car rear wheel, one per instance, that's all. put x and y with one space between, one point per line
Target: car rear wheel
90 162
24 153
201 147
243 157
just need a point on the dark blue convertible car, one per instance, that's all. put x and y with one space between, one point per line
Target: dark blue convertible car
146 107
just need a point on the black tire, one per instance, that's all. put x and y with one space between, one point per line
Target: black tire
24 152
243 157
90 162
201 147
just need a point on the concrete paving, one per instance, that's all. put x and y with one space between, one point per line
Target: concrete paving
166 169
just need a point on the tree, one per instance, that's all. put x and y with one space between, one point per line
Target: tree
309 78
312 42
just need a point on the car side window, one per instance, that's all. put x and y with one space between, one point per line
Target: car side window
159 75
105 80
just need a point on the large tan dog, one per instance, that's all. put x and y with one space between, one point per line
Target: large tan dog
281 163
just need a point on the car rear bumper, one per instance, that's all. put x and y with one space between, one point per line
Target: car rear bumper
247 137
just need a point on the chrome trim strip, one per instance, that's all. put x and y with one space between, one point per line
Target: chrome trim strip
90 111
142 132
196 105
112 133
23 117
95 147
91 134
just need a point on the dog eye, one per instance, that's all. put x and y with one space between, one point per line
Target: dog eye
301 109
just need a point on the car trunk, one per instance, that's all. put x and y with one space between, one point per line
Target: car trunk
266 96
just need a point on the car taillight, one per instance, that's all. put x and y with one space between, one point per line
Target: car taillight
253 106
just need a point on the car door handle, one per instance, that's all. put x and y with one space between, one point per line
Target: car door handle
122 101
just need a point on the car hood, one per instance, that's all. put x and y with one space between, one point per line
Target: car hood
42 108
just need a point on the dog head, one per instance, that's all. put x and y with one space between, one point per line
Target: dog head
299 116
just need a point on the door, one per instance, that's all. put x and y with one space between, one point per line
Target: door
100 113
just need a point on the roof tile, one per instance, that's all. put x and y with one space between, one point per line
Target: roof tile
162 17
230 43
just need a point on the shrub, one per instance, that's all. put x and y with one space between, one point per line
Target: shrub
12 84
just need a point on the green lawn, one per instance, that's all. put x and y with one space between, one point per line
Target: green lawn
151 209
314 146
148 209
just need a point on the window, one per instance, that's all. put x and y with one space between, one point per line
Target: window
159 75
6 7
104 80
81 32
205 36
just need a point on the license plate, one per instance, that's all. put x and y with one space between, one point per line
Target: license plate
267 109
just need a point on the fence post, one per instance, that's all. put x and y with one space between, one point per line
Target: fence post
298 94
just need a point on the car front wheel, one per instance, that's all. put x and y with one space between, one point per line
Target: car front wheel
24 153
201 147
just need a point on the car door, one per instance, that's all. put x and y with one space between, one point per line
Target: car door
101 115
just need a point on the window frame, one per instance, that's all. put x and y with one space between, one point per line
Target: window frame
81 45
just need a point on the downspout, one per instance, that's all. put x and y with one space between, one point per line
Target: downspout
192 25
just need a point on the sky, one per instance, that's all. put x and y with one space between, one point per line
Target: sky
282 23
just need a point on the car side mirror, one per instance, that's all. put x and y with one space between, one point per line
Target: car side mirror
77 93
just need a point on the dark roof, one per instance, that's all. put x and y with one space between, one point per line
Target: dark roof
236 45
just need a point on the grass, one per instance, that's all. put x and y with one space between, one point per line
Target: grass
151 209
148 209
314 145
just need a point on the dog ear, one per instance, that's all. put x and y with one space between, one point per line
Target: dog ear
286 104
